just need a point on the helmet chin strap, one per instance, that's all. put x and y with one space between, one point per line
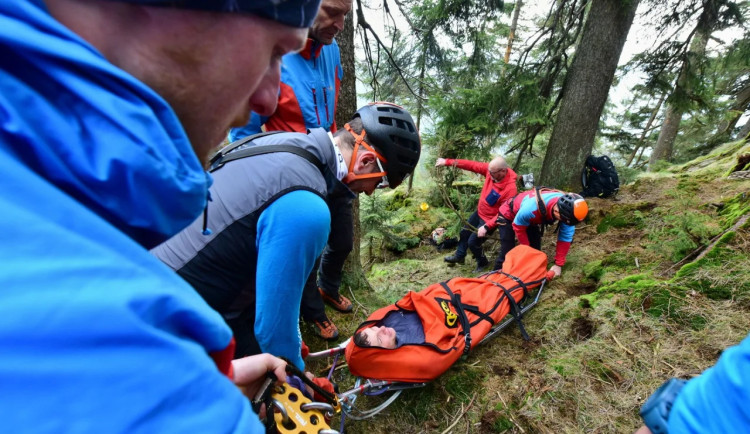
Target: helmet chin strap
359 140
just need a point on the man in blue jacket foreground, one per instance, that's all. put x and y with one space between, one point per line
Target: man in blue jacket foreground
106 110
714 402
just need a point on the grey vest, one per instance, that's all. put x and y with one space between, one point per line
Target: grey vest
221 266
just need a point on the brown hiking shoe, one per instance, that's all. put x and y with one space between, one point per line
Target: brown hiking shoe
326 329
342 304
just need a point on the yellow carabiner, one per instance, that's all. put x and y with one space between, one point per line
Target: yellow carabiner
294 413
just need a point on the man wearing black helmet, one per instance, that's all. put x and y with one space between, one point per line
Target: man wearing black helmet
308 97
268 220
108 110
526 214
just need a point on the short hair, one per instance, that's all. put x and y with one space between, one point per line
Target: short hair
360 339
346 139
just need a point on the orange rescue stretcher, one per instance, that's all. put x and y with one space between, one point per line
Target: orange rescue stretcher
457 315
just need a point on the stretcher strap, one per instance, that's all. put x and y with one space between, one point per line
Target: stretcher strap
516 312
456 301
482 316
520 283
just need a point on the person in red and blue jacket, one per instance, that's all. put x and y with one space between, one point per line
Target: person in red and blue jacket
499 186
310 80
525 216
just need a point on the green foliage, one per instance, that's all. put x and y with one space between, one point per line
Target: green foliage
383 224
681 229
419 403
627 174
565 367
629 215
593 270
734 208
723 273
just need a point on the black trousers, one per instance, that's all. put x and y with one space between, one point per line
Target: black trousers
508 239
243 329
468 239
328 268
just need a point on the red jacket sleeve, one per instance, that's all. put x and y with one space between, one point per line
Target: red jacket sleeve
472 166
520 231
562 252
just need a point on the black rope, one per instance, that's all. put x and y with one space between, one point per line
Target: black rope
293 370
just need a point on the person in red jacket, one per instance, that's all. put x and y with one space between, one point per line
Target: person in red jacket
499 186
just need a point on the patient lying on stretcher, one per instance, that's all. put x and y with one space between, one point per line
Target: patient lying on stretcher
420 336
398 328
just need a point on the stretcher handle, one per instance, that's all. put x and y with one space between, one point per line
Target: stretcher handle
550 275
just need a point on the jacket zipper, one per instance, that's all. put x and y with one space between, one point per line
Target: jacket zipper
325 100
315 103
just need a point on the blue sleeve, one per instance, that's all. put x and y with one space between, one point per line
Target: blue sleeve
566 233
252 127
292 232
717 401
525 212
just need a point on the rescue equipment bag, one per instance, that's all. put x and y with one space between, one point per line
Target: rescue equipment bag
599 177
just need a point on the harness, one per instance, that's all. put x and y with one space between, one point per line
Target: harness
547 220
230 153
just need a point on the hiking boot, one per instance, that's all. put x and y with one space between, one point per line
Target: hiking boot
342 304
454 259
482 264
326 329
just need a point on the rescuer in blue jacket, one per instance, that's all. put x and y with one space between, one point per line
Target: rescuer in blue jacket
714 402
100 102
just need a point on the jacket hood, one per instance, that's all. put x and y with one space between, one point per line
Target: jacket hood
93 130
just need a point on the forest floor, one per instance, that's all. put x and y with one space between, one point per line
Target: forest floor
633 307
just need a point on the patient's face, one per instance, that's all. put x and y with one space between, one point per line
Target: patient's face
381 337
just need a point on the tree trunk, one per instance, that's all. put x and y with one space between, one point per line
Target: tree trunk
585 92
665 142
744 131
682 89
739 107
513 26
646 130
353 276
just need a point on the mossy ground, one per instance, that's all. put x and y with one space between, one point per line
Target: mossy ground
625 315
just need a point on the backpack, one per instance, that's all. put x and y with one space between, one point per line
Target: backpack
599 177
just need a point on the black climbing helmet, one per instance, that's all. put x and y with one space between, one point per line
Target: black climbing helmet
391 129
573 208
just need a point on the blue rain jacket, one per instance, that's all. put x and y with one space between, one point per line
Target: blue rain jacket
96 334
